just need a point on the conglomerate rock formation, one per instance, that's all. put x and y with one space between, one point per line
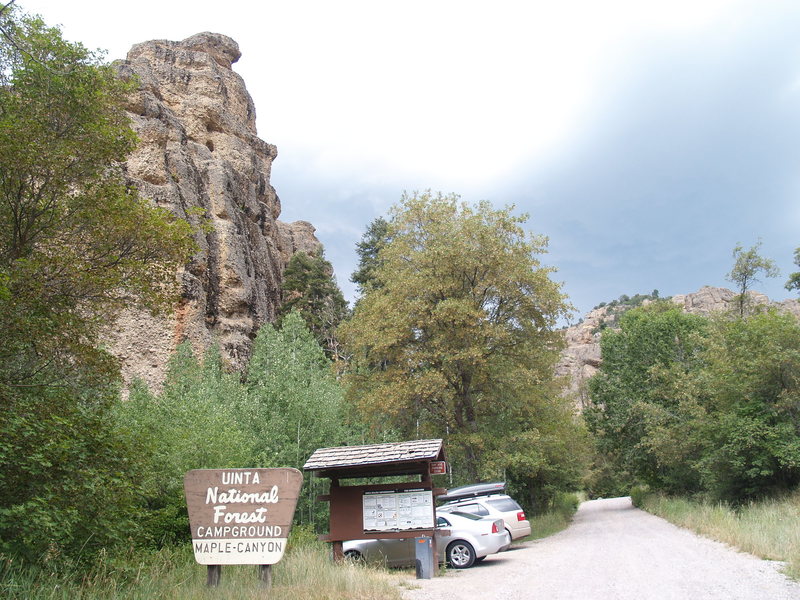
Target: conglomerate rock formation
199 149
581 358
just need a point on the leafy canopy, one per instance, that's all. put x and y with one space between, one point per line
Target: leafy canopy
690 404
76 245
455 338
76 242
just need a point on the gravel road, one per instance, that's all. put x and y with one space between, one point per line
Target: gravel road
613 551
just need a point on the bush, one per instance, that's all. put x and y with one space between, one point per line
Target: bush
638 494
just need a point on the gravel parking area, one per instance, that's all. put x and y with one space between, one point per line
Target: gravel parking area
613 551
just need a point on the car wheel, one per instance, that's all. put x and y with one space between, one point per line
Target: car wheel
460 555
354 556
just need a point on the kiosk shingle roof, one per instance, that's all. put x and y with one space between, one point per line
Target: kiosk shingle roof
374 454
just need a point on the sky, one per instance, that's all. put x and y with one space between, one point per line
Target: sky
645 139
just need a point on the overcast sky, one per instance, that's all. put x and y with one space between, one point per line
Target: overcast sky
646 139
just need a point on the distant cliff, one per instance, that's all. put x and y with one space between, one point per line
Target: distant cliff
581 358
200 157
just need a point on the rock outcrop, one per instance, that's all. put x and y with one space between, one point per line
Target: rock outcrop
200 157
581 358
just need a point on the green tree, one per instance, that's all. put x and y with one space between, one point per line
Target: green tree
368 250
750 385
457 338
693 405
747 267
191 424
293 403
310 289
630 397
76 245
794 279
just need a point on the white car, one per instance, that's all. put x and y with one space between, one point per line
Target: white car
461 541
488 500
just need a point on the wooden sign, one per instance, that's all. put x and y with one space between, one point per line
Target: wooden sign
437 467
241 516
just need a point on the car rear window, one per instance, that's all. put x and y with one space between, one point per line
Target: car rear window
503 504
475 509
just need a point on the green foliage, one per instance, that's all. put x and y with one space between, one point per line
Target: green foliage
629 396
292 405
67 472
638 495
368 249
192 424
752 374
748 266
793 283
455 339
309 288
288 405
691 405
76 245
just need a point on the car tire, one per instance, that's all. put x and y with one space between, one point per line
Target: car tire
354 556
460 555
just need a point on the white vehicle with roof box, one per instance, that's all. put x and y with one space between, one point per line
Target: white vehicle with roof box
487 500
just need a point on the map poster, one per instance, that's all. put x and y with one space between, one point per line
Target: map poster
398 510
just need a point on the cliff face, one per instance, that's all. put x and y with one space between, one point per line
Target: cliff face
581 358
200 157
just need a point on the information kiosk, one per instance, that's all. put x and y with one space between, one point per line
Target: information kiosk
387 510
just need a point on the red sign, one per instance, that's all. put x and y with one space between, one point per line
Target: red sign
438 467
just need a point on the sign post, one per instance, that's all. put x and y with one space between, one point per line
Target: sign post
241 517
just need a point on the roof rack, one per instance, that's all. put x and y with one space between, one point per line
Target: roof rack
472 491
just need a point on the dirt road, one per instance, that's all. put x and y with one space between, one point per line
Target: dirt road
613 551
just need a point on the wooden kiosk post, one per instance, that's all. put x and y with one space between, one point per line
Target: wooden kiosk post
360 512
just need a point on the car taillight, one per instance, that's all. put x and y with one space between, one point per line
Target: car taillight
494 528
520 516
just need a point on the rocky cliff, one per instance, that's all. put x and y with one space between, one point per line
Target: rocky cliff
200 157
581 358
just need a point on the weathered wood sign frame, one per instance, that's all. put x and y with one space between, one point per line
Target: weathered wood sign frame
240 516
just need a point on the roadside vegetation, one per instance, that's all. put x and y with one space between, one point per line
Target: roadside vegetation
171 573
767 528
557 518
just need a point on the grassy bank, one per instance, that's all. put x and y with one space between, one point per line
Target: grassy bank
305 572
557 518
769 529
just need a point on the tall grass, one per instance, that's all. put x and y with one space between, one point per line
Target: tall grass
768 528
557 518
305 572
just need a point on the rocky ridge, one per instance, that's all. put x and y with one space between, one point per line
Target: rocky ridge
581 358
200 157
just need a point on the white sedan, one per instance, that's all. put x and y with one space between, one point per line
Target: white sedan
462 540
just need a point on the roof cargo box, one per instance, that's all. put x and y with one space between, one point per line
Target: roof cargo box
471 491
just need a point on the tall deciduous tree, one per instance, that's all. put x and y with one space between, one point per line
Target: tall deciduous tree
747 267
76 242
76 245
630 395
457 338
